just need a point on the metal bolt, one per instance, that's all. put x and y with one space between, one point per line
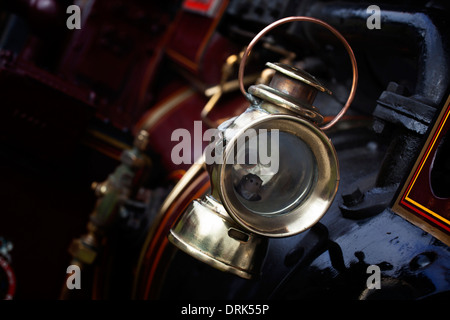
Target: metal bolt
353 198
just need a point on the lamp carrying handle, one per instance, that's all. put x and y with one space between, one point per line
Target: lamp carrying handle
316 21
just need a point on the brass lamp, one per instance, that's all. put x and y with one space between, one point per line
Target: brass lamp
275 172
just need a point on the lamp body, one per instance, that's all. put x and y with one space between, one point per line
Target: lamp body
273 173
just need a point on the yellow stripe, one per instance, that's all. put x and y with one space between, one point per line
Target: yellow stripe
429 211
429 151
420 169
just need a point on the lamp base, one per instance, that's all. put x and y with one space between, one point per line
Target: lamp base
206 232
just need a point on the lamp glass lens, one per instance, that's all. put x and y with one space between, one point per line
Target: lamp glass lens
273 172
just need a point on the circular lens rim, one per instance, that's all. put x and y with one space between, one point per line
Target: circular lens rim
312 208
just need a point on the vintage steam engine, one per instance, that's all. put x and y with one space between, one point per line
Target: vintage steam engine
160 100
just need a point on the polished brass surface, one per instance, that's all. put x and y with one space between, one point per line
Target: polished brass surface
279 99
289 80
299 215
248 203
206 232
291 89
336 33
